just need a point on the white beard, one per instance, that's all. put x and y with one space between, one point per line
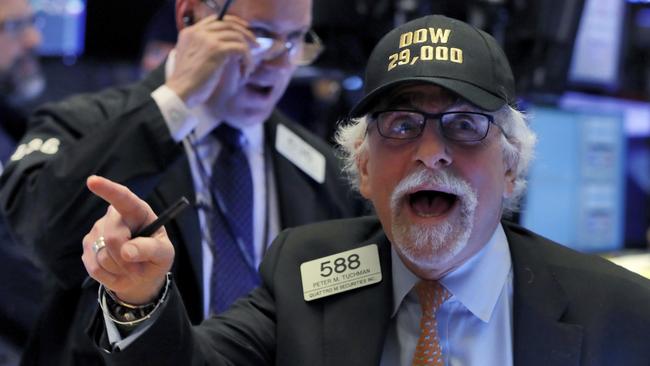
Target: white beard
430 246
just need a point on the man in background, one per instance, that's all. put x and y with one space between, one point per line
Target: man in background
20 80
20 74
203 125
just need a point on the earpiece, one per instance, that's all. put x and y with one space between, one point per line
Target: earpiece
188 18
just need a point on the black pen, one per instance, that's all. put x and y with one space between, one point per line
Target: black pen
223 11
148 230
164 218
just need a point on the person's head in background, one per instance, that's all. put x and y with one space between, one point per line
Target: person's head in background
21 78
248 97
437 147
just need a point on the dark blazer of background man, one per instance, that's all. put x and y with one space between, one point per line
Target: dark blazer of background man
123 134
440 153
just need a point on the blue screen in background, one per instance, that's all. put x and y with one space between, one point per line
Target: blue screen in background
62 24
598 38
576 182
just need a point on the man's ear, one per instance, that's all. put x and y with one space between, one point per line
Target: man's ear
184 13
510 178
364 181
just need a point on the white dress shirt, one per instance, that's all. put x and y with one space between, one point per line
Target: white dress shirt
474 325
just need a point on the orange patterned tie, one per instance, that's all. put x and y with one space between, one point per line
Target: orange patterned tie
428 351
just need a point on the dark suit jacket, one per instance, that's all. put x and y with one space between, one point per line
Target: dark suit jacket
20 289
569 309
121 134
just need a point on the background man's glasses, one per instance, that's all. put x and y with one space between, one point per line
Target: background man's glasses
16 27
302 51
454 126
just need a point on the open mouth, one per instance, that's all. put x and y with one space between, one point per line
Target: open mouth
429 203
263 90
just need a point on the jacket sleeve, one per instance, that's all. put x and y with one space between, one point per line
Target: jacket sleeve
119 134
243 335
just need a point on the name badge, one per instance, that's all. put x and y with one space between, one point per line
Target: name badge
340 272
300 153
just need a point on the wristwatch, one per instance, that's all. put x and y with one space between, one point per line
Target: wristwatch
126 314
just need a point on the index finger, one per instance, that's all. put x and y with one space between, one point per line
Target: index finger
134 211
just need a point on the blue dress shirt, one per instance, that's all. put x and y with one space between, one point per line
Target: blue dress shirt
474 325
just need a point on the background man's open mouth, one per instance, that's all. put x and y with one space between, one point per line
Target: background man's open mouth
260 89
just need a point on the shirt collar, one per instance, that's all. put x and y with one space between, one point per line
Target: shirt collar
476 284
254 135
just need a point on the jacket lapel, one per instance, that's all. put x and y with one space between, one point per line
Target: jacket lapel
295 190
175 183
355 323
540 336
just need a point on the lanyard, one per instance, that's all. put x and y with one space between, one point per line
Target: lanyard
215 205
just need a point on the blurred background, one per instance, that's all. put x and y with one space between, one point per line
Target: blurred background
582 66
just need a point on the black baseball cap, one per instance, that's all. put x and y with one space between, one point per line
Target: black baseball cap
442 51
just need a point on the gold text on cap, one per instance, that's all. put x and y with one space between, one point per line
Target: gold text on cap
425 38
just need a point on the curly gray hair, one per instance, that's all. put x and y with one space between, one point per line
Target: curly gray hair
518 149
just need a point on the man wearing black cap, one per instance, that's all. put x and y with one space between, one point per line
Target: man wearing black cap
436 279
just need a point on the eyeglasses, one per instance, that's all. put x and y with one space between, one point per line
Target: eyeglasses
302 49
454 126
16 27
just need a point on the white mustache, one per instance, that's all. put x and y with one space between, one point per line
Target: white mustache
439 180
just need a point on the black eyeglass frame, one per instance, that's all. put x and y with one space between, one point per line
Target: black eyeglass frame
439 117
